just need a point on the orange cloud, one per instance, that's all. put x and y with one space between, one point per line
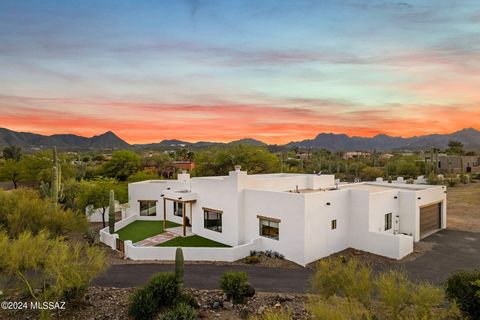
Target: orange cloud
152 122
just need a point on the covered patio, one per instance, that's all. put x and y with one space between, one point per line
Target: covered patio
183 199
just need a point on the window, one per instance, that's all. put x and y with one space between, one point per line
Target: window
178 209
388 221
334 224
148 208
269 227
212 220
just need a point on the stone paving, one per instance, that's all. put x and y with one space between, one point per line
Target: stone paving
159 238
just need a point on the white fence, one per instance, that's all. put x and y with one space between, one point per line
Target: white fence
386 244
190 253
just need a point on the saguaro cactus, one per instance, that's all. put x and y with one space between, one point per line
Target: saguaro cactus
111 213
54 188
179 268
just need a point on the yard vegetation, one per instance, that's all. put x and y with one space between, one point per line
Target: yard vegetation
141 230
192 241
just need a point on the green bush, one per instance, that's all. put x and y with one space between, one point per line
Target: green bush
143 305
164 288
235 285
187 298
160 291
464 288
181 311
252 260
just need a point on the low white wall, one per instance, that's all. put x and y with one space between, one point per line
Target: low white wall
109 239
386 244
192 254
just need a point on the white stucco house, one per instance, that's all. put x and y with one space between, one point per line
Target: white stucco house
302 216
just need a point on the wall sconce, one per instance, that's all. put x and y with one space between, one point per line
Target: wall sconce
328 203
395 197
168 188
445 191
419 198
180 198
162 195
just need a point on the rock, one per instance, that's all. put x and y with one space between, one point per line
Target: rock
202 315
289 297
225 297
278 305
227 305
216 305
260 310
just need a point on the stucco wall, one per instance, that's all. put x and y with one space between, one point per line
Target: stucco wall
289 208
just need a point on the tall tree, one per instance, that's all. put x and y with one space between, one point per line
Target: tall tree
123 164
13 171
12 153
455 147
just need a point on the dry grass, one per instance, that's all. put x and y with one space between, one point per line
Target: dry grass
463 207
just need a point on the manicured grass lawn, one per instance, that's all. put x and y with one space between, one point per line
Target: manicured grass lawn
192 241
139 230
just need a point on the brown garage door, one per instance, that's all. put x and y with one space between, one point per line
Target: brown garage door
430 219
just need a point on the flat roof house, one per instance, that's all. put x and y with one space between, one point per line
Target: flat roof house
302 216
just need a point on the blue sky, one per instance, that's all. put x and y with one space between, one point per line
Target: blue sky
222 70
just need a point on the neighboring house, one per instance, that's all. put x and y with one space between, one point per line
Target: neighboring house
453 163
355 154
302 216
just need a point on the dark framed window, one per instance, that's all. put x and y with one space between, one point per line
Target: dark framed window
269 228
388 221
178 209
212 220
148 208
334 224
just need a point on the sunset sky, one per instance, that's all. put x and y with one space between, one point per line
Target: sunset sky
222 70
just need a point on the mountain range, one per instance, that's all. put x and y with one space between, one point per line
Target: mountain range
336 142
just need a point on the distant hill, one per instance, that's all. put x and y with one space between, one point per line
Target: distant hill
107 140
336 142
248 141
341 142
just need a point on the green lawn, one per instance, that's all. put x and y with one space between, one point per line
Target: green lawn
139 230
192 241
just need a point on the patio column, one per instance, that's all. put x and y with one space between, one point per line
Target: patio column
191 218
164 213
183 218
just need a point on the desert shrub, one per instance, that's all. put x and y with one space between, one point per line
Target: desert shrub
181 311
188 299
348 290
351 279
274 315
252 260
452 182
160 291
338 308
250 292
143 304
464 288
235 285
164 288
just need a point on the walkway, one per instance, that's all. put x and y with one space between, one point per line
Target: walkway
159 238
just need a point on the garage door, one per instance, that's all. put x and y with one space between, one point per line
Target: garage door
430 219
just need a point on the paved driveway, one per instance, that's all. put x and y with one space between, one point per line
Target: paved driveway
207 276
451 251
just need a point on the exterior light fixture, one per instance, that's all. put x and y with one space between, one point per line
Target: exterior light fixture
328 203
